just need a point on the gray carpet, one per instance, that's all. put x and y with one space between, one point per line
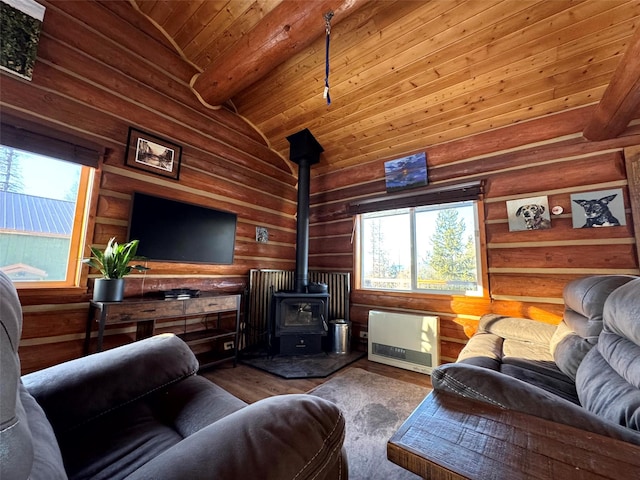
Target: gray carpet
374 408
302 366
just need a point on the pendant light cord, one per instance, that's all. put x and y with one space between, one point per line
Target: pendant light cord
327 20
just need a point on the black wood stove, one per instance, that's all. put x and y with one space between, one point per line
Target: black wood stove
299 317
300 321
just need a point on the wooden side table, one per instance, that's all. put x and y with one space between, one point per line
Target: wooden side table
145 311
452 438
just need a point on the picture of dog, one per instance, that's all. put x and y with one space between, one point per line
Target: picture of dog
530 213
598 213
532 216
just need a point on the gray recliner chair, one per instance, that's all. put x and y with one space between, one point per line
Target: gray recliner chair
141 412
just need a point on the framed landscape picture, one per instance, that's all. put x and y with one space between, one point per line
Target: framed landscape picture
153 154
406 172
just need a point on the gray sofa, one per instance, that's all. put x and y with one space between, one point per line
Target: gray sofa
141 412
584 372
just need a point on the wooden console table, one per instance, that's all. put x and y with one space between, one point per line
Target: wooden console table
451 438
145 311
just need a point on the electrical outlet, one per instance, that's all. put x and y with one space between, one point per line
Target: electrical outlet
228 345
364 334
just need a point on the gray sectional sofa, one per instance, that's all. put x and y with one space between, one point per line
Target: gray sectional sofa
584 372
141 412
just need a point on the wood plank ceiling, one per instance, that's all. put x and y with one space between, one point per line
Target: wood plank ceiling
409 74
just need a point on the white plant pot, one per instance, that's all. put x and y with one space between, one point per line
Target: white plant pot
108 289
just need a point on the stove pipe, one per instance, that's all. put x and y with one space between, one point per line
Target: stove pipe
304 151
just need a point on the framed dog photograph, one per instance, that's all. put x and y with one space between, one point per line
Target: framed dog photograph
528 214
153 154
604 208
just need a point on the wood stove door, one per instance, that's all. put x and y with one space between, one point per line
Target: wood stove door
301 316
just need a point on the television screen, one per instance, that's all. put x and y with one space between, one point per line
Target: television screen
174 231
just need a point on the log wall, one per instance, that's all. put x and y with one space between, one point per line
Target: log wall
526 270
96 85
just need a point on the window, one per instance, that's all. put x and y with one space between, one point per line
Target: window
43 201
428 249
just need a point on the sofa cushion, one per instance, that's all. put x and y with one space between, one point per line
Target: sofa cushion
518 347
513 394
114 445
28 446
282 437
77 391
138 432
16 452
516 328
578 332
608 379
192 404
47 458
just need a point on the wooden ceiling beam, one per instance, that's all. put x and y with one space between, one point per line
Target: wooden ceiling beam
620 102
287 29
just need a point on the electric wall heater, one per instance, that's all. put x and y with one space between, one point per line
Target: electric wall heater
404 340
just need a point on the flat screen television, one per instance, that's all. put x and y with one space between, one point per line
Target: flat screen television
173 231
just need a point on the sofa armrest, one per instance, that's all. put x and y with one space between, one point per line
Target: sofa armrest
79 390
510 393
514 328
278 438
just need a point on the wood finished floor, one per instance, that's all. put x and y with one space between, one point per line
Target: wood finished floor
251 384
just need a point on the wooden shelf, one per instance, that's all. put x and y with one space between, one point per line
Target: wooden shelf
145 311
203 336
210 358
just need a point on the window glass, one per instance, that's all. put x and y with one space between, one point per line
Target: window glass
432 249
386 259
42 202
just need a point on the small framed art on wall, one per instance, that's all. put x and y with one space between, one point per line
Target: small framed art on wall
153 154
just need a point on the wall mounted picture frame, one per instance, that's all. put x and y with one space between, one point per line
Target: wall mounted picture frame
21 27
262 235
604 208
153 154
528 214
406 172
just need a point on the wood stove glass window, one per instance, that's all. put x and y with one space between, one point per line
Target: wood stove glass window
300 316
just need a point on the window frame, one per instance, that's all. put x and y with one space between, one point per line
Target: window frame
426 197
42 140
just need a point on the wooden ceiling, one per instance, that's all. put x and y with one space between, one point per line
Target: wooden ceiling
409 74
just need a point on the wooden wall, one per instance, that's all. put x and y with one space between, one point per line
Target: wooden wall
527 270
95 77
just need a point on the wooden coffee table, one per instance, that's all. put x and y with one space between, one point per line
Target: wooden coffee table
449 438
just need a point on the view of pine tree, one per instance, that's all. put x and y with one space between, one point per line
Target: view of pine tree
10 170
451 257
71 194
380 267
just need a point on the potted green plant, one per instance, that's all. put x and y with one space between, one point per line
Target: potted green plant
114 264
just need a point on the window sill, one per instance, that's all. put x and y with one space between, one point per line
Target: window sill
30 295
407 293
